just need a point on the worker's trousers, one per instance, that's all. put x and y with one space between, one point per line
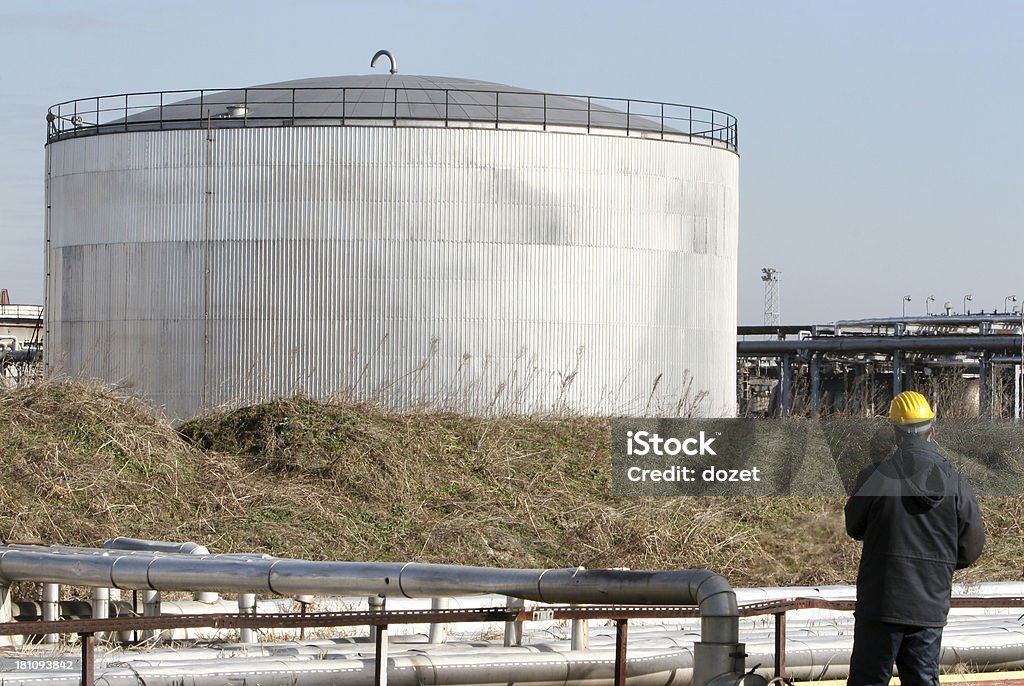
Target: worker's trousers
878 645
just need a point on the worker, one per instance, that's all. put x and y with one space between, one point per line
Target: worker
919 521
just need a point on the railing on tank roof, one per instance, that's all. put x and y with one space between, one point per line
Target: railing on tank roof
21 312
378 106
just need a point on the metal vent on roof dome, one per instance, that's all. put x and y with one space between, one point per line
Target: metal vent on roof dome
391 59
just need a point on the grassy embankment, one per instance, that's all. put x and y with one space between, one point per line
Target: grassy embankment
324 481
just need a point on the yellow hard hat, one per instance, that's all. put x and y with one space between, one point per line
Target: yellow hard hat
910 407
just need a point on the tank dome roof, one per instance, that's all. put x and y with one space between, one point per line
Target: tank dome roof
387 100
393 97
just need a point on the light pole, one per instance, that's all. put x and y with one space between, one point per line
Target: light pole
770 276
906 299
967 298
1008 299
929 299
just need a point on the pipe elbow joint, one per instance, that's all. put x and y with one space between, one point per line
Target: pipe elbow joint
715 596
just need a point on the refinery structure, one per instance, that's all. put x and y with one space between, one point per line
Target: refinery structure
969 365
414 240
21 341
460 245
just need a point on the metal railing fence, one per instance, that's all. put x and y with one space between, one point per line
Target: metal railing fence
620 614
386 106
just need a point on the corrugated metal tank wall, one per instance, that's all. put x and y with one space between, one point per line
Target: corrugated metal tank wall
469 269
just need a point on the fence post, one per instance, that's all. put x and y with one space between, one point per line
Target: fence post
88 658
380 663
621 633
780 644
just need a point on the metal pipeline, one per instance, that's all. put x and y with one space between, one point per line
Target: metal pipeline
934 320
718 653
660 662
818 647
881 344
146 545
536 669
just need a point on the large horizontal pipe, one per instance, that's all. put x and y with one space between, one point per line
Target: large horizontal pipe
788 329
483 669
20 355
932 321
937 320
881 344
157 571
145 545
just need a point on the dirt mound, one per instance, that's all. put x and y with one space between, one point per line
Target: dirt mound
317 480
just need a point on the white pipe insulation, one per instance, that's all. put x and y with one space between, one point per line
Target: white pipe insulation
656 657
145 545
818 646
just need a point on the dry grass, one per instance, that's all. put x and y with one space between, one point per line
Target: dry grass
312 480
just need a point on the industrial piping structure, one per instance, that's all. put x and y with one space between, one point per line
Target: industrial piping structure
718 657
21 341
662 654
992 339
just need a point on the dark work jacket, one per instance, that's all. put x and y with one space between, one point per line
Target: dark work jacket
919 521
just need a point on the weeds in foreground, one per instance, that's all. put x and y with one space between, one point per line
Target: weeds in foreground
345 481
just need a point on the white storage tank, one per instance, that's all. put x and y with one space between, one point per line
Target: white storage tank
412 240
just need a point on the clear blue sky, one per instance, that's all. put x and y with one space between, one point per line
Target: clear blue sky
881 142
